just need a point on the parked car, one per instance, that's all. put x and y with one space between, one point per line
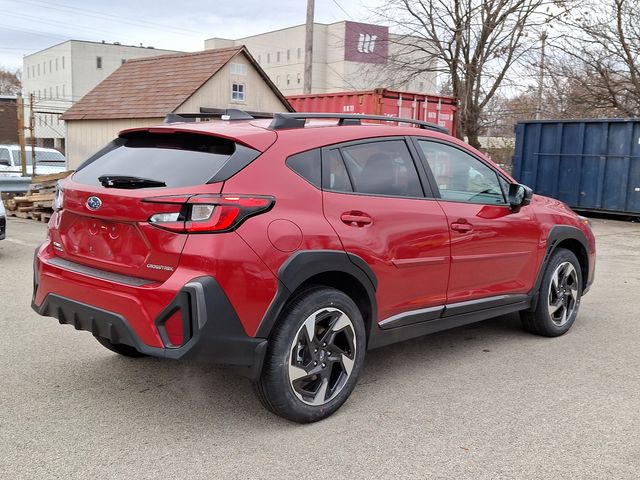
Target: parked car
287 249
48 161
3 221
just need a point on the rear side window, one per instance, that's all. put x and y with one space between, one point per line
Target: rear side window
53 158
382 168
307 165
178 160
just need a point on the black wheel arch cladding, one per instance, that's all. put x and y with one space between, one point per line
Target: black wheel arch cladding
306 264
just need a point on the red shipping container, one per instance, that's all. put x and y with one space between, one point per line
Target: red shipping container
436 109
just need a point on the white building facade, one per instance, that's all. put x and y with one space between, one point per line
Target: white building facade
347 56
61 75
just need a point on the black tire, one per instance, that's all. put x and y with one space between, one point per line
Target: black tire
119 348
291 349
558 300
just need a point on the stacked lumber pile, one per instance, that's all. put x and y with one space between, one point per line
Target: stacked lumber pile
38 202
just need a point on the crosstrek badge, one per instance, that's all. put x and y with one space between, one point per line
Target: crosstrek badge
159 267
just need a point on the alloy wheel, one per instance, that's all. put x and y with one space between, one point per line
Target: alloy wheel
321 356
563 297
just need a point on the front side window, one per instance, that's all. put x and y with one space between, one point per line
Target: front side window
237 92
382 168
5 159
98 62
460 176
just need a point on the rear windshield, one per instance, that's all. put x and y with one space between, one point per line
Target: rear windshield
177 159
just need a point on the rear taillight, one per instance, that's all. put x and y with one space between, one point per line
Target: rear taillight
208 213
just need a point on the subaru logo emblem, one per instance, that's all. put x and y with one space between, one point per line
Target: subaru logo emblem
94 203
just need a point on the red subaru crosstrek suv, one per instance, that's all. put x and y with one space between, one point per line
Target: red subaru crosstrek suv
287 247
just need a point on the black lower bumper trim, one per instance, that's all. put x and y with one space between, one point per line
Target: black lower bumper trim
213 332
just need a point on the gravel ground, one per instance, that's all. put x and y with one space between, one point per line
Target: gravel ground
483 401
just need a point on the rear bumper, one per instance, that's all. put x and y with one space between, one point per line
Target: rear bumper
212 331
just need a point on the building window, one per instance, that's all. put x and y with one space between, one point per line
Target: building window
268 58
288 79
62 91
299 53
57 92
299 78
50 93
98 62
237 92
56 64
123 61
238 69
288 55
38 69
44 68
63 63
50 64
277 57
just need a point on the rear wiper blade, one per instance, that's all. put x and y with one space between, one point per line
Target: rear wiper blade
125 181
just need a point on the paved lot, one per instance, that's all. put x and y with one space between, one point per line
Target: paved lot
484 401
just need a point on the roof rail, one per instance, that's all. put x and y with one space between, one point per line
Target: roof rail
222 113
283 121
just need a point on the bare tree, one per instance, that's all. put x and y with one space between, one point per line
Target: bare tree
477 44
10 82
600 56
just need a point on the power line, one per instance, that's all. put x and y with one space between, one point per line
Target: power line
33 32
340 7
102 15
55 23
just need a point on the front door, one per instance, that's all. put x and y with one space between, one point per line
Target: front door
493 249
374 199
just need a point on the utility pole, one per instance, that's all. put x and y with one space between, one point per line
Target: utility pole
308 47
32 128
543 38
23 153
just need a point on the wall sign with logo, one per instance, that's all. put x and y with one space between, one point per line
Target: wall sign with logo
366 43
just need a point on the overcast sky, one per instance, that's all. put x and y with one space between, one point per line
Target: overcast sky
31 25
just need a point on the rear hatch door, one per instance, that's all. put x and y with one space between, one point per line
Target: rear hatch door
104 219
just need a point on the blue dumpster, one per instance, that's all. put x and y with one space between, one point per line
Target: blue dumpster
591 165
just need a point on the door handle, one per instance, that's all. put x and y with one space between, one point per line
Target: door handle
356 219
461 227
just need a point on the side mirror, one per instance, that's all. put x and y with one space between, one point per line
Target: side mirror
519 196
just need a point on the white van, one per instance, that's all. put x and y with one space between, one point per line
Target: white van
48 161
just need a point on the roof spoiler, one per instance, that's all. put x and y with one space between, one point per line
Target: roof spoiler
283 121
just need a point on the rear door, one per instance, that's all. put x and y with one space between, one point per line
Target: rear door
106 225
493 249
375 200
